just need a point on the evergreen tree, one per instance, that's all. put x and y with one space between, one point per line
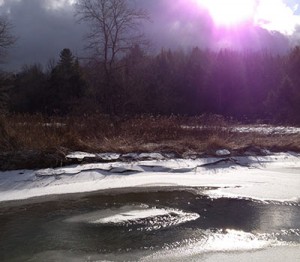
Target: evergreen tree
66 84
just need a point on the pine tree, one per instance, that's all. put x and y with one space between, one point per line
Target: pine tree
66 84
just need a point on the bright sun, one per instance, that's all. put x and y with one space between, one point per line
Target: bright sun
270 14
229 12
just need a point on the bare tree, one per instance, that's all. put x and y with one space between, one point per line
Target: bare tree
6 37
114 27
6 41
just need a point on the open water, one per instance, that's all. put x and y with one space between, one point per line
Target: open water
123 226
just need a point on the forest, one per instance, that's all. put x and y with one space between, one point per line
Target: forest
246 86
123 96
149 130
123 76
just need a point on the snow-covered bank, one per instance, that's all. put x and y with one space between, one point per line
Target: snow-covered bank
275 177
259 129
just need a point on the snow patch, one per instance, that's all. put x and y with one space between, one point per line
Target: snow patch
223 152
216 241
260 129
273 177
268 130
80 155
109 156
151 218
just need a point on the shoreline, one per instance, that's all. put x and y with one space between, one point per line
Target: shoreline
104 192
263 178
37 159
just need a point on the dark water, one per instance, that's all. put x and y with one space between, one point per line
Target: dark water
32 229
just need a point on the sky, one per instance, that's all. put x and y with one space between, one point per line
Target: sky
45 27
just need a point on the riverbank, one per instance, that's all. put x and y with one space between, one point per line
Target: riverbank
36 141
153 207
149 224
267 178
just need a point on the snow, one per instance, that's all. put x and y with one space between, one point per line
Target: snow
131 214
109 156
218 242
80 155
268 130
223 152
275 177
228 245
260 129
275 254
114 156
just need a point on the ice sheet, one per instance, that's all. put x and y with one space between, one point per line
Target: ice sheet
141 214
275 254
219 243
274 177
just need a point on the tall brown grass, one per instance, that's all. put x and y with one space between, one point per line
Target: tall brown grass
101 133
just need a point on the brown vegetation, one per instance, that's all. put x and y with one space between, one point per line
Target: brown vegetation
43 136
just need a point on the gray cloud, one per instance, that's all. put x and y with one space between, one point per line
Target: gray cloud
176 24
43 32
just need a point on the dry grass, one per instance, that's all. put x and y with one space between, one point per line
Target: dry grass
37 141
99 133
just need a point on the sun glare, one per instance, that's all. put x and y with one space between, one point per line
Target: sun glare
229 12
270 14
276 15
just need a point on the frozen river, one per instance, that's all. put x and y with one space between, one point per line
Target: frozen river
208 209
169 224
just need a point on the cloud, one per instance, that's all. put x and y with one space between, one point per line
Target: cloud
45 27
182 23
176 24
58 4
276 15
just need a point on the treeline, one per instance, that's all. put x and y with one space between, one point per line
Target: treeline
244 85
54 91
